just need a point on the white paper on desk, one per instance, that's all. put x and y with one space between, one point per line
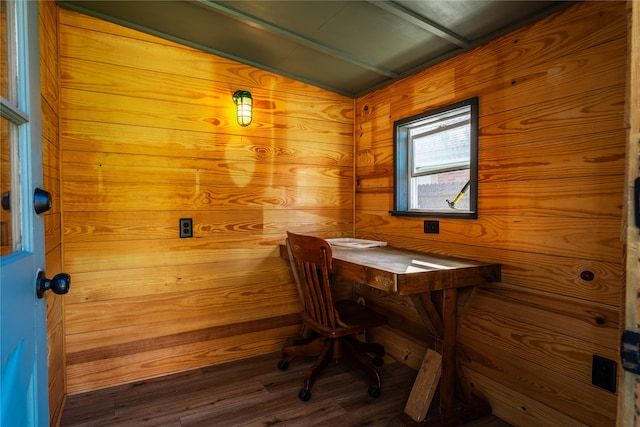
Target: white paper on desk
349 242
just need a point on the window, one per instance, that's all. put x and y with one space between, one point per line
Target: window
436 162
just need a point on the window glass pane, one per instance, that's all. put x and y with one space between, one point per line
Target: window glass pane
437 192
442 143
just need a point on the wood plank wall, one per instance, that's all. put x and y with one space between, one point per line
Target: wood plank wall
551 181
149 136
49 86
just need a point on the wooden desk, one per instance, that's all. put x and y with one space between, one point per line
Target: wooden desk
405 272
419 275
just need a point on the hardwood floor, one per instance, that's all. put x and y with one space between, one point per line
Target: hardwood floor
250 393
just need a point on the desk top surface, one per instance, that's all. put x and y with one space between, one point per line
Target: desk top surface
401 261
402 271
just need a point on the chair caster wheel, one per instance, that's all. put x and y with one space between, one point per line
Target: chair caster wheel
283 365
374 391
378 361
304 395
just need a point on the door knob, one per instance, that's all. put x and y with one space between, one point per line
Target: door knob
60 284
41 200
6 201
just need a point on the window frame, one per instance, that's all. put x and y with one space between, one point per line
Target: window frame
403 169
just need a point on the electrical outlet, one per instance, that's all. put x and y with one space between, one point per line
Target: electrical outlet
603 373
186 227
432 227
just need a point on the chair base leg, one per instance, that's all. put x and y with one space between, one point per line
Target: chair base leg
311 346
366 347
321 362
351 353
348 348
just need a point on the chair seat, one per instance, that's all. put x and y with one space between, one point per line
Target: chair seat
358 315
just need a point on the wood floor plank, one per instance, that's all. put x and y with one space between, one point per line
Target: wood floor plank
252 392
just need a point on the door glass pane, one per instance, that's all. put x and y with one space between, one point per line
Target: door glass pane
4 66
10 223
9 189
5 187
8 67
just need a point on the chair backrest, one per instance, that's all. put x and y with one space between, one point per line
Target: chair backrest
311 259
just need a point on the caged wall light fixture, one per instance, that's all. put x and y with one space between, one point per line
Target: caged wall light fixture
244 102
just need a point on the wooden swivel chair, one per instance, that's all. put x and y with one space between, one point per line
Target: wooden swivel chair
333 324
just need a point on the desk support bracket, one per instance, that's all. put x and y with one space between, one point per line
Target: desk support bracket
427 312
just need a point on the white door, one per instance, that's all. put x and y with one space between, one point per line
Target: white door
23 343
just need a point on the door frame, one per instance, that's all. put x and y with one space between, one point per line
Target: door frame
628 402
